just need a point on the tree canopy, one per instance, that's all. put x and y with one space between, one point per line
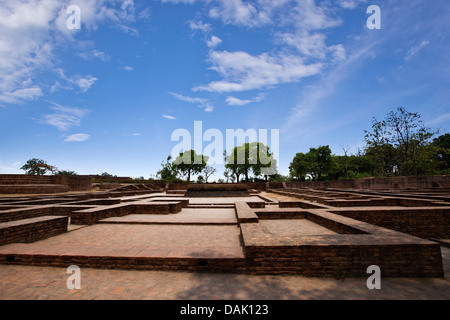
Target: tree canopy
254 157
190 163
38 167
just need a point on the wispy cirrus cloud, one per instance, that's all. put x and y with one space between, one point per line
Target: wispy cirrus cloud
201 102
79 137
169 117
94 55
84 83
20 95
64 118
415 49
232 101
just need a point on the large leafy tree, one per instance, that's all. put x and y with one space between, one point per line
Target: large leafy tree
410 138
323 160
38 167
442 152
300 166
168 173
190 163
317 163
249 158
378 145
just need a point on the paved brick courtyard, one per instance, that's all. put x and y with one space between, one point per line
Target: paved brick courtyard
149 244
25 282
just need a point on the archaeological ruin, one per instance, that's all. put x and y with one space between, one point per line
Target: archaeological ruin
333 229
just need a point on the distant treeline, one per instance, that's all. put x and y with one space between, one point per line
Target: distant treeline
399 145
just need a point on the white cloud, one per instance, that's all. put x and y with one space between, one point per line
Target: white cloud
351 4
232 101
242 71
169 117
13 168
213 42
94 54
199 26
30 30
145 14
84 83
80 137
415 50
201 102
439 119
20 95
63 117
128 68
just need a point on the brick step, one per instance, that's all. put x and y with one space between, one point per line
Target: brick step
93 215
33 229
26 181
197 264
33 188
210 206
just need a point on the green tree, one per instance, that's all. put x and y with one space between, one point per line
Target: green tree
106 174
323 160
168 173
442 153
230 176
410 138
190 163
37 167
208 172
378 144
300 166
254 157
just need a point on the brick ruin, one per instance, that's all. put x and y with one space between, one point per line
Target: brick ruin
336 230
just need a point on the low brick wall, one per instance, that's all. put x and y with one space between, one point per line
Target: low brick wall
378 183
34 229
217 186
33 189
420 222
244 213
352 261
226 265
28 184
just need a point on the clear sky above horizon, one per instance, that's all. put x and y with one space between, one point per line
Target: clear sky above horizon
107 97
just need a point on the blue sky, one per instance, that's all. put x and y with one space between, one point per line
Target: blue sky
108 96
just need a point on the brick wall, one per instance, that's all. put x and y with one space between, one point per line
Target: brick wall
378 183
419 222
31 230
27 184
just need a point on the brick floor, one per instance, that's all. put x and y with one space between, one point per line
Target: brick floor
301 227
186 216
223 200
24 282
160 241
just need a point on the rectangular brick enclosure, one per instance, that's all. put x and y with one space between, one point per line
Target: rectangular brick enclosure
260 228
